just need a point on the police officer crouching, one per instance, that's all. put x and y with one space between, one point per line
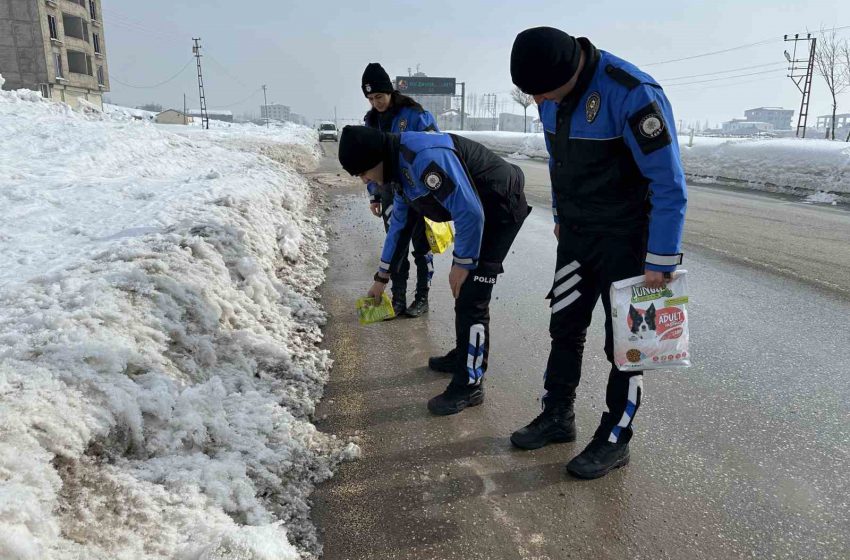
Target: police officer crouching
619 198
448 178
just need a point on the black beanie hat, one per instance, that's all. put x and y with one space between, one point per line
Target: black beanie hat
360 149
543 59
375 80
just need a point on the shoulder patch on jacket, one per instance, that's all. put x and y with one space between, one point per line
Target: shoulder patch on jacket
408 154
437 181
649 128
622 77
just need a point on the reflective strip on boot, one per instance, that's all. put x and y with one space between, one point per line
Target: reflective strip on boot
635 390
475 354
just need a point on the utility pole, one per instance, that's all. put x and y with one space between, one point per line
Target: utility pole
205 118
335 125
462 102
265 106
798 77
185 118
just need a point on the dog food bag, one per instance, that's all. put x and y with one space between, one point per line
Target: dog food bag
650 324
369 311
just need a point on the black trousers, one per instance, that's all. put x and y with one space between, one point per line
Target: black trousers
586 266
472 307
414 231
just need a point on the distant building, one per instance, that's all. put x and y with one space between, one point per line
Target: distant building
514 123
777 116
744 127
213 114
841 120
173 116
56 47
275 112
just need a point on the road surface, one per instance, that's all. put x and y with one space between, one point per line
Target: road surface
744 455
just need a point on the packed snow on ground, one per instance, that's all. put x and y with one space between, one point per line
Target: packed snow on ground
822 198
118 112
803 166
159 360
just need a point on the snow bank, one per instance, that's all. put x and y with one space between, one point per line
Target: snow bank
159 327
798 166
510 143
793 164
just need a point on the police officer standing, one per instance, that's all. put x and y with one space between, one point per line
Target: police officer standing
446 177
394 112
619 198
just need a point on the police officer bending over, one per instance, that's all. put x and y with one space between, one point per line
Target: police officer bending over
446 177
619 197
393 112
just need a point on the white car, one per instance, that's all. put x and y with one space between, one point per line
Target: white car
328 131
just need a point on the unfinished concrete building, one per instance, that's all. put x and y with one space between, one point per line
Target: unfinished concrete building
56 47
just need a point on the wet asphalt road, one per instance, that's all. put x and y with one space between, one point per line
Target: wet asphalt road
744 455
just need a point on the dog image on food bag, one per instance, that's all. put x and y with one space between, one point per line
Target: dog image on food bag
642 324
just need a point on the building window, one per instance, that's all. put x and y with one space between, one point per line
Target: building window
57 65
75 27
100 78
80 2
93 10
79 63
51 23
96 40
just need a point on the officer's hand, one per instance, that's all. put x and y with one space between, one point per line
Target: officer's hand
376 291
558 232
375 207
456 279
655 279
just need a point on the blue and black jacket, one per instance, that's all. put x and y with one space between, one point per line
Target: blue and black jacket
614 157
404 115
447 177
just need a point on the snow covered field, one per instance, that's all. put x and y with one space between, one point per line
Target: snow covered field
819 169
159 335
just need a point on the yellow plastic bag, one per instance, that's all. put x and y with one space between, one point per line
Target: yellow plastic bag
368 311
439 234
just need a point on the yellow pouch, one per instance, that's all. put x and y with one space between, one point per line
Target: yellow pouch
370 312
439 234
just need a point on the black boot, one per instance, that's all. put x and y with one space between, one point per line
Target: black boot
399 302
599 458
444 364
419 306
556 424
455 398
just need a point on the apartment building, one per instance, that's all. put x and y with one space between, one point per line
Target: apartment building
56 47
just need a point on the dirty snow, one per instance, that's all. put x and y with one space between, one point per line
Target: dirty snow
159 360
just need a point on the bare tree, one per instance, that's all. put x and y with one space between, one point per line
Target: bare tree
828 65
845 59
525 100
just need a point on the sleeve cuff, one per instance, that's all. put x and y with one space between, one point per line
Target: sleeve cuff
384 267
663 263
467 263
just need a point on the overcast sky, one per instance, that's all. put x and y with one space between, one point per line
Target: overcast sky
311 53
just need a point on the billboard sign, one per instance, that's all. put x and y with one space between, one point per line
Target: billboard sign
425 85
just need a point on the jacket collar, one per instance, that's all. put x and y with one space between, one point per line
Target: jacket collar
591 63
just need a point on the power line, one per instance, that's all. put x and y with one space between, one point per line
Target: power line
250 95
723 71
174 77
700 88
730 49
728 77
